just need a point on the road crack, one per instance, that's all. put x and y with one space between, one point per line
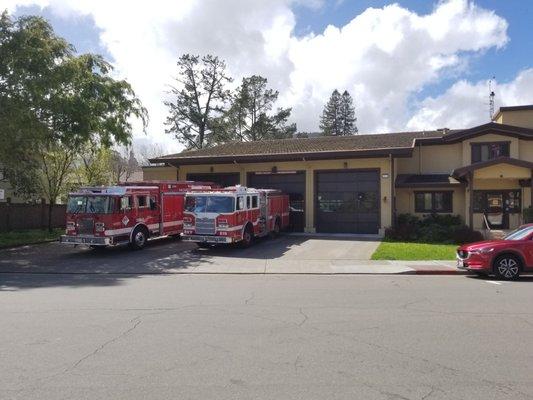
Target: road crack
135 323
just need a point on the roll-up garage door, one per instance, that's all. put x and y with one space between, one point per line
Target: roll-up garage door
291 183
347 201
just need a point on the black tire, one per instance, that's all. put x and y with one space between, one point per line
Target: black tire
247 237
139 238
507 267
274 233
177 236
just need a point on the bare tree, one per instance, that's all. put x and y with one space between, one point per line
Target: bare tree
198 98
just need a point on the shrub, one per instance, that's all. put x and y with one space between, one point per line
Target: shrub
464 234
528 215
432 228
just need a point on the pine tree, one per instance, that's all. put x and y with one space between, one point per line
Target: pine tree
347 115
330 122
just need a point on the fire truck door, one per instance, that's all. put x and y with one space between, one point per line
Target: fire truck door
263 210
172 213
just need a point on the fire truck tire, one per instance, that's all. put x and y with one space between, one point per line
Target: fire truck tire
277 228
139 238
247 236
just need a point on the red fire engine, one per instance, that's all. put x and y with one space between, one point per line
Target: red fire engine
234 214
128 213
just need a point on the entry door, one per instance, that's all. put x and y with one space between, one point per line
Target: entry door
496 213
347 201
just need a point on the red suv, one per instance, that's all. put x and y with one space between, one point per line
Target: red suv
506 258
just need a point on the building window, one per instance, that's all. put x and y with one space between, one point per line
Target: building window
487 201
433 202
488 151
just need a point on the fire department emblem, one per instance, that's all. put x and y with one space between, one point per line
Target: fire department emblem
125 220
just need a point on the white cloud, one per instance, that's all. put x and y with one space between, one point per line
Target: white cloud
383 56
466 104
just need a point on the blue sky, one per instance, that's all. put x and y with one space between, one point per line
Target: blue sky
504 63
407 65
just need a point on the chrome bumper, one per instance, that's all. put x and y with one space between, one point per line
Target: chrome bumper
207 239
88 240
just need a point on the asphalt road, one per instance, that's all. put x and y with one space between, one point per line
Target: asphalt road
167 255
264 337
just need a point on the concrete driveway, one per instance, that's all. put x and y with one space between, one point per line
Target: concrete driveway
286 254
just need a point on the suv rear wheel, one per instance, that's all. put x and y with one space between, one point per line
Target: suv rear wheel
507 267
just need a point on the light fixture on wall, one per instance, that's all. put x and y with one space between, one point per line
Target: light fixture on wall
211 169
345 165
274 170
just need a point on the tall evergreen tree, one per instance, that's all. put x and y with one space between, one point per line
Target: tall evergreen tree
330 121
347 115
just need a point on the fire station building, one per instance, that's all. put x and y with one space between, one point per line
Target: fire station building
357 184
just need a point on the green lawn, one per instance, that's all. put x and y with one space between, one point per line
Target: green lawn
390 250
29 236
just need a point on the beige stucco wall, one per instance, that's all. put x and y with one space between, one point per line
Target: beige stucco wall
383 164
431 159
405 200
161 173
522 118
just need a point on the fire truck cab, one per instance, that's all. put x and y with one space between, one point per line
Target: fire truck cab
128 213
234 215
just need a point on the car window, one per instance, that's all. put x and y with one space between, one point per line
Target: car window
520 233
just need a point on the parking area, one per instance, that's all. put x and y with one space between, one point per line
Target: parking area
286 253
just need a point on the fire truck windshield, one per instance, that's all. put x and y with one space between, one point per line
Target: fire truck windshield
90 205
213 204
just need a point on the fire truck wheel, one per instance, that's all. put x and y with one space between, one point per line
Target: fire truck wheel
275 232
139 238
247 237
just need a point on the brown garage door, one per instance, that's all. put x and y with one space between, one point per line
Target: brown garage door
347 201
293 184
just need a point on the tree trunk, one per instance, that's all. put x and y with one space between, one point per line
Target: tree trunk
50 208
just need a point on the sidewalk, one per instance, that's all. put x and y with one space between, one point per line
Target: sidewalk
323 267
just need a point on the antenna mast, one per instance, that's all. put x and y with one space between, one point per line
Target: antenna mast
491 99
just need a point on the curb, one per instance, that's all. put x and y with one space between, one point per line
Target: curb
167 273
440 272
16 246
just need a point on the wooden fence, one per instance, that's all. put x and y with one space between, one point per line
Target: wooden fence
30 216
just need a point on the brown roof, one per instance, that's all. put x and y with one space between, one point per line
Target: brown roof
425 180
308 148
463 171
334 147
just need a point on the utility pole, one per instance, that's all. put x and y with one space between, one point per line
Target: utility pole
491 99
